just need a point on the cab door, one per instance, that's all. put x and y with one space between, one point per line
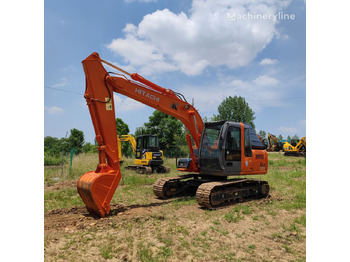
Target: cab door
247 158
232 149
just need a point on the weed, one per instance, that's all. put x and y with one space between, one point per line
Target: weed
165 252
224 233
288 249
252 247
216 222
301 220
106 252
145 253
246 210
233 217
204 233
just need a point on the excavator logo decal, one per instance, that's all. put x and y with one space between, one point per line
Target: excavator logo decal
146 94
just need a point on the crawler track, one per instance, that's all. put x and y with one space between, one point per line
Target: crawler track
176 186
140 169
218 194
294 153
210 193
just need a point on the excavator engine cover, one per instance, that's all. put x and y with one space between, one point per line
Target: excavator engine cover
97 189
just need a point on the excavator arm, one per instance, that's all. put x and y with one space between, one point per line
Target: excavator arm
97 188
130 139
302 142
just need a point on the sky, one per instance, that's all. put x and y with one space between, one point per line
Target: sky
206 50
44 42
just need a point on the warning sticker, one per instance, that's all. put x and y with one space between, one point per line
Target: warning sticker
108 103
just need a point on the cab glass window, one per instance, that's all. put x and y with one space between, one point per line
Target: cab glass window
153 141
233 144
210 141
247 144
139 142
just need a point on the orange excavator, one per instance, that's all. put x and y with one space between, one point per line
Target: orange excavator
218 150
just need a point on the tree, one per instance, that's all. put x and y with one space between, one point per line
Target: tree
169 130
52 146
295 137
75 140
280 137
262 134
235 109
123 129
89 148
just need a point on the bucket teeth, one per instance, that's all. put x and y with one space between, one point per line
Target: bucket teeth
97 189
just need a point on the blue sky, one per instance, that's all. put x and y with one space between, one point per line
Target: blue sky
207 50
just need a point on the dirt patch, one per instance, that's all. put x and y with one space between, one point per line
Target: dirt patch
61 185
188 230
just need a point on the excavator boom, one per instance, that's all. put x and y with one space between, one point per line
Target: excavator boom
131 139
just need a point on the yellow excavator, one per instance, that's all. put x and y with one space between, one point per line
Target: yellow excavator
298 150
148 157
274 145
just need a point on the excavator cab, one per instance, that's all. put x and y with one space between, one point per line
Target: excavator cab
148 153
227 149
146 143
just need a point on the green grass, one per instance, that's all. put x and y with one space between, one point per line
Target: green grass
289 184
65 198
176 234
106 252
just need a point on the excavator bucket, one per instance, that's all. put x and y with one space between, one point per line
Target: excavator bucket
97 189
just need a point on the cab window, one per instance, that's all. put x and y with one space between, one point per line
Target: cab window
139 143
233 144
247 144
153 141
145 142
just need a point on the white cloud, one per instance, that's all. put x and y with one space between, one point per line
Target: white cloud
265 80
288 130
126 104
53 110
62 83
268 61
164 41
259 92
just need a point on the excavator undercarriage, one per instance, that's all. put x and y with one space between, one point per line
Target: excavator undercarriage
211 192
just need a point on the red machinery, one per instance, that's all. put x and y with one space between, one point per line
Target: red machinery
217 150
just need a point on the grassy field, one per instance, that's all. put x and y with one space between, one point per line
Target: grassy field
144 228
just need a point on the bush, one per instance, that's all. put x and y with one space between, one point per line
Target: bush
50 160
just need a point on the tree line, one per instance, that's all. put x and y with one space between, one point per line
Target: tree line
170 131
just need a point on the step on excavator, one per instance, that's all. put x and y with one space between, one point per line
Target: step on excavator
218 150
148 157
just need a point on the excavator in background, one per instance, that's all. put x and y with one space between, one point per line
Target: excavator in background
224 148
274 145
298 150
263 141
148 157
